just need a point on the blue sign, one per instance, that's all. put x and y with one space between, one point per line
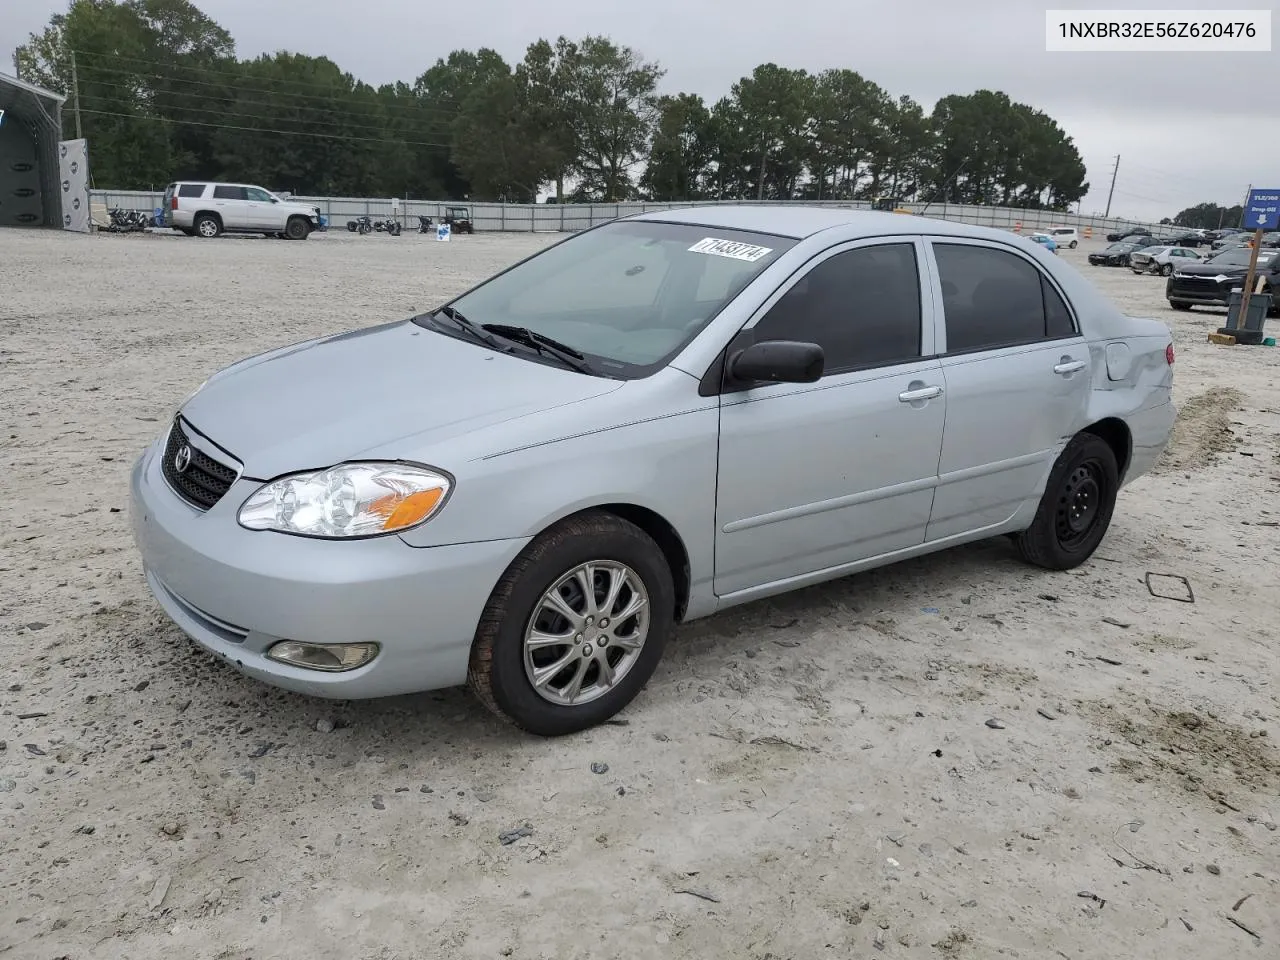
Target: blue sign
443 231
1262 210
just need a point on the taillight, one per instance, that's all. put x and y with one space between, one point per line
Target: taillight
1168 354
173 204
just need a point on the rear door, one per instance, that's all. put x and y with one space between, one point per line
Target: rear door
232 205
1017 376
813 476
166 205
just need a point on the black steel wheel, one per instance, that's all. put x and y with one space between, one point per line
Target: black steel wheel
1076 508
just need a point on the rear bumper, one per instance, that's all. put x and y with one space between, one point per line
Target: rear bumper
1150 430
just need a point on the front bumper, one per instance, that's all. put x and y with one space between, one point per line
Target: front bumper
1209 294
237 592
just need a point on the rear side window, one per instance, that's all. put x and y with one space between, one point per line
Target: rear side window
223 192
861 306
996 299
191 190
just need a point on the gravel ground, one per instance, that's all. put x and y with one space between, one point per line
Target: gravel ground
957 757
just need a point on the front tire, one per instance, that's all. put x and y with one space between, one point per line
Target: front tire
575 627
1179 305
297 228
1075 511
1166 270
1071 245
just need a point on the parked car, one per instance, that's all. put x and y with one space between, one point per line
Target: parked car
1113 255
664 416
1188 238
208 209
1121 234
1045 241
1161 260
1270 241
1143 240
1209 283
1067 237
1230 241
1222 232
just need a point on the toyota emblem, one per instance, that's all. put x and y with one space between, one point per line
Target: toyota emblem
182 459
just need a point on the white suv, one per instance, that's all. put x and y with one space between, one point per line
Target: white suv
1065 236
204 209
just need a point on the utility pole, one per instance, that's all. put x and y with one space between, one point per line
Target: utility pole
75 89
1114 171
1243 204
17 65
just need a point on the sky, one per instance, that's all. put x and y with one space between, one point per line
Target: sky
1188 127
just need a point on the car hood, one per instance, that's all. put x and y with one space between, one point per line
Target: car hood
1214 269
326 401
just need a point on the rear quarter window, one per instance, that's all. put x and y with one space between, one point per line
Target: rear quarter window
191 190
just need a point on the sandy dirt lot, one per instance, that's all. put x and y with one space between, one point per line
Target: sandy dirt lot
808 777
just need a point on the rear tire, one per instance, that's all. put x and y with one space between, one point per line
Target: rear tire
207 226
1075 511
528 600
296 228
1071 245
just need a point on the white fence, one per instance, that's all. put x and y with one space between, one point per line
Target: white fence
568 217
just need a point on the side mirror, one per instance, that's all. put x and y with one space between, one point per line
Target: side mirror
778 361
275 199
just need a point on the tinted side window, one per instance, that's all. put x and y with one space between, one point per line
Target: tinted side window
258 194
191 190
221 192
861 306
992 298
1057 318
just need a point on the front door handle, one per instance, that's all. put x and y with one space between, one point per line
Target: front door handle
920 393
1068 367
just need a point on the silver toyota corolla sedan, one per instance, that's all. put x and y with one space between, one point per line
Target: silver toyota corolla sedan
667 415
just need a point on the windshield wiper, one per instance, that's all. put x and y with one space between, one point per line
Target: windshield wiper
543 344
469 326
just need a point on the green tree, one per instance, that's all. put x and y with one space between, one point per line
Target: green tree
1209 216
775 106
680 162
611 90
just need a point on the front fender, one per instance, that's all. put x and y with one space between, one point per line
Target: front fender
665 463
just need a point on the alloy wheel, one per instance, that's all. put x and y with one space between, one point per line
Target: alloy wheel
586 632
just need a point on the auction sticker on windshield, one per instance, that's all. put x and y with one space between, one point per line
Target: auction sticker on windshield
730 248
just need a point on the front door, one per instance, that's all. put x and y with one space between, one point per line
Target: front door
1017 376
818 475
261 210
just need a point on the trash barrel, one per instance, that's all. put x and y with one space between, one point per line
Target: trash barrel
1250 330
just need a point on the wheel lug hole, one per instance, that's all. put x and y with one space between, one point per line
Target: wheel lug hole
578 638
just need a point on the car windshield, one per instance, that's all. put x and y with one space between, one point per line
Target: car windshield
628 295
1240 257
1119 248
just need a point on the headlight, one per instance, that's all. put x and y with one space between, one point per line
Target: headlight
349 500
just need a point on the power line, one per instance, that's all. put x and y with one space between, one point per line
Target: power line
100 101
346 99
229 74
287 133
276 114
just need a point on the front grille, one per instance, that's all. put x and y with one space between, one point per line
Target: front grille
204 480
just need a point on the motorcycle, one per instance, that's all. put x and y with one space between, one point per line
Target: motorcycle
425 225
129 221
389 226
361 225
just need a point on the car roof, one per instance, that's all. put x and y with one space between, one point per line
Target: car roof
800 222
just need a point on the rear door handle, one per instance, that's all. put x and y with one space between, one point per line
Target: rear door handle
1068 367
923 393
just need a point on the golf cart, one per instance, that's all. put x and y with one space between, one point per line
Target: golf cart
458 219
